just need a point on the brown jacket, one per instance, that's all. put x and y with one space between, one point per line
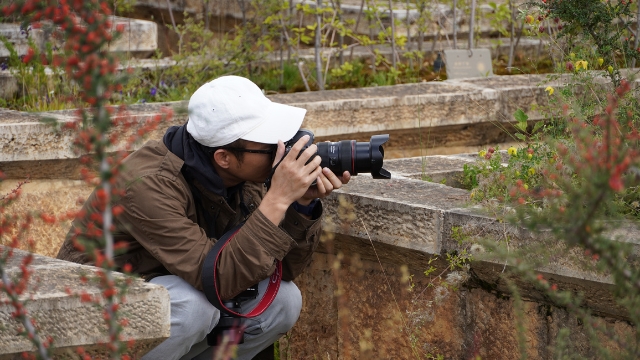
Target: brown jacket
165 231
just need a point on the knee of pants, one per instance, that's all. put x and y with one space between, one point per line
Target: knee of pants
290 304
194 317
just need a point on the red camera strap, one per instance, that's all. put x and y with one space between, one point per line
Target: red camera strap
210 279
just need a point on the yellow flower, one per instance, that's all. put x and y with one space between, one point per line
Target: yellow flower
610 69
512 151
529 156
532 171
550 90
600 61
517 173
572 56
525 186
581 64
482 153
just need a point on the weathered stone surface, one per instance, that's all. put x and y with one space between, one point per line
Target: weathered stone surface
426 118
356 308
417 116
441 169
8 84
73 323
18 38
138 36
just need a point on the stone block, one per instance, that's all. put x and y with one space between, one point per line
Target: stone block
139 36
443 169
387 211
73 323
17 37
8 84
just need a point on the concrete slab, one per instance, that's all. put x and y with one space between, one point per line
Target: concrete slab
73 323
140 37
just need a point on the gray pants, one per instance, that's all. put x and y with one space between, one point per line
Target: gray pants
193 317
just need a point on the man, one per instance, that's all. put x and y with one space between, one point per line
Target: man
200 181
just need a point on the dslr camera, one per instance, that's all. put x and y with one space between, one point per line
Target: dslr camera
346 155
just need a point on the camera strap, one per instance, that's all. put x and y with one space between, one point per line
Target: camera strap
210 278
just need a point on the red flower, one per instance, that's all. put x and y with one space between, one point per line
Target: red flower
615 182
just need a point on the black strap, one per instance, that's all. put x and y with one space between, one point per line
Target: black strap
210 279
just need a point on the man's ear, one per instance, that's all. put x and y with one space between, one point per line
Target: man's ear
222 158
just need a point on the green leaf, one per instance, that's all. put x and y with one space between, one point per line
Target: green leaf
522 120
537 126
521 116
521 137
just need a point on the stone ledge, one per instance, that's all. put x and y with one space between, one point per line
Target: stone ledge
441 113
417 217
456 114
139 36
73 323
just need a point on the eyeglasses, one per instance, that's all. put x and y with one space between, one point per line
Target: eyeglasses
270 152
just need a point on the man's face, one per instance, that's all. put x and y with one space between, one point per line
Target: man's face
254 164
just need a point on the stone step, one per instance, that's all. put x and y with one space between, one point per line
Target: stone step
422 119
73 323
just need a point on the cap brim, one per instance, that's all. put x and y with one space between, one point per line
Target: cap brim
282 123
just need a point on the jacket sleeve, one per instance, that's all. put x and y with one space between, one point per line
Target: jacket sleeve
306 234
159 214
250 255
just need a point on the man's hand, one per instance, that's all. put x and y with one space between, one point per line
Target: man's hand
326 182
292 179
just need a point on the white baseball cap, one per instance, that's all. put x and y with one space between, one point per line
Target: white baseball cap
232 107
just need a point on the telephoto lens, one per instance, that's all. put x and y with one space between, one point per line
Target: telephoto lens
346 155
355 157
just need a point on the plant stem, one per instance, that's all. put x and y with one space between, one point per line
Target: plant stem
317 46
636 41
455 35
471 23
356 26
393 36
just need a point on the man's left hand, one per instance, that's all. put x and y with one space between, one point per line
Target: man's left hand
326 182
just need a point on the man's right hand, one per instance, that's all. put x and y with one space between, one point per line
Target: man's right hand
291 179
